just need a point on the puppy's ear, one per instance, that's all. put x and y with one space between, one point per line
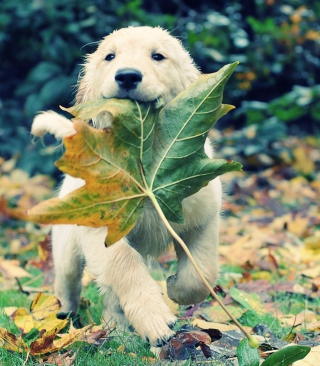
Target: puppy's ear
81 91
189 71
86 81
84 88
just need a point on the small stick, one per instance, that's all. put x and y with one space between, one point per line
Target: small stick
20 287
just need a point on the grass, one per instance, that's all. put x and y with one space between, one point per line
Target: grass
122 349
135 353
129 349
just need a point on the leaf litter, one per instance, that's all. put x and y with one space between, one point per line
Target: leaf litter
269 245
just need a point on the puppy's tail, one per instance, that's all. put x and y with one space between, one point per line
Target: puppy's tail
54 123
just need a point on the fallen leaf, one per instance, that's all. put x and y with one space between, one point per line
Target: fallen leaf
64 359
11 269
304 317
313 242
246 355
11 342
302 163
313 272
95 334
9 310
312 359
44 261
203 324
250 301
46 342
183 345
217 314
42 315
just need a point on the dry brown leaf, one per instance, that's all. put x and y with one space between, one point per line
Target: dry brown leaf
313 242
295 225
9 310
302 163
65 359
305 316
313 272
243 250
312 358
11 269
184 344
46 342
202 324
149 359
11 342
94 334
73 335
217 314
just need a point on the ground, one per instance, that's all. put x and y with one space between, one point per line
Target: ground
270 270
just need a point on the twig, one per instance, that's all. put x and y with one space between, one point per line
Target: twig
20 287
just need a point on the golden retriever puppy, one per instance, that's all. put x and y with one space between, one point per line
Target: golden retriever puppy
143 64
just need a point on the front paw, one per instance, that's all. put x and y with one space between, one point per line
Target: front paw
164 339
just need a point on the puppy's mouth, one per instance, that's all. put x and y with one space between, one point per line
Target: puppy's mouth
157 101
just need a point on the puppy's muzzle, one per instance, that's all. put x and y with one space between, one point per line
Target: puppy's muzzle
128 79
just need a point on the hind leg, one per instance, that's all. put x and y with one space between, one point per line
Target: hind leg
68 266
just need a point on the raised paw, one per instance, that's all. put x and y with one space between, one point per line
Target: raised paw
186 293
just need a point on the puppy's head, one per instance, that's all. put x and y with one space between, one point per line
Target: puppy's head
140 63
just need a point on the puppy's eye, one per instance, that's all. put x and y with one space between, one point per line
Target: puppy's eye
158 57
110 57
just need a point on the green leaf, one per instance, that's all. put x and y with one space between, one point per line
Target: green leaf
250 301
180 166
145 153
246 355
286 356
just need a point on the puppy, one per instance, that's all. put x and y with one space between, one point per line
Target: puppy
144 64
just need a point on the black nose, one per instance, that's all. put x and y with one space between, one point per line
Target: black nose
128 78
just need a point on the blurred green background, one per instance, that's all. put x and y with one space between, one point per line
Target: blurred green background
276 87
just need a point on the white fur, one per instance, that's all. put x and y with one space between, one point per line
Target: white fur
51 122
131 296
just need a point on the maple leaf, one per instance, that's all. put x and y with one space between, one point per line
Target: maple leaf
47 343
147 153
42 315
11 342
114 193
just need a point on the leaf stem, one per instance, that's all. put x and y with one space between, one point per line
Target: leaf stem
196 267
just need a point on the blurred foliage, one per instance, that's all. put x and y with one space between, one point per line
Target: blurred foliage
277 85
